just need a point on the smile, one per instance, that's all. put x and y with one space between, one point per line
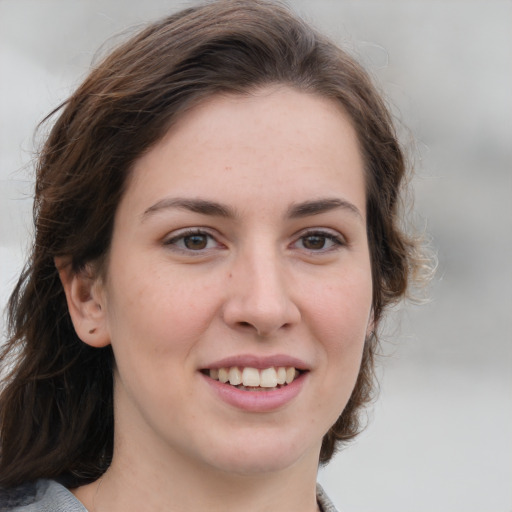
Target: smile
254 379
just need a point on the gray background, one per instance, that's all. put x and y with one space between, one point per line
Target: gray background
440 436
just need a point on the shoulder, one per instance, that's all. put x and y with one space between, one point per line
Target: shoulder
40 496
324 503
50 496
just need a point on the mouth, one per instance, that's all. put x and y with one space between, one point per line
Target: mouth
254 379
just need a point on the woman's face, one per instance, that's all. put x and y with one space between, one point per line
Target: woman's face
239 250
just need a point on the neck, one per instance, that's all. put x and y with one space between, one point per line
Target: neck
134 483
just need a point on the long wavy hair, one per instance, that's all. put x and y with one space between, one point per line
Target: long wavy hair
56 402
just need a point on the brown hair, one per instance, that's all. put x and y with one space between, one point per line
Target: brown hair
56 411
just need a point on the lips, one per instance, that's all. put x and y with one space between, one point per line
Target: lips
257 384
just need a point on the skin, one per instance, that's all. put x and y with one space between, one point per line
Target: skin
256 282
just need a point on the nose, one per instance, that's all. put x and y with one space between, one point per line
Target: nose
258 294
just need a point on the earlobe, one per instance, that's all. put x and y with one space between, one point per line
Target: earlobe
86 303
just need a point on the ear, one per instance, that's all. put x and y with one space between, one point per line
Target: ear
86 302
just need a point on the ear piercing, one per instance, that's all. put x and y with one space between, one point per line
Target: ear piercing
92 331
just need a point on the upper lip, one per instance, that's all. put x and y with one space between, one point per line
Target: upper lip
259 362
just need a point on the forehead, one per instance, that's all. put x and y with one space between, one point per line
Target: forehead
301 119
277 142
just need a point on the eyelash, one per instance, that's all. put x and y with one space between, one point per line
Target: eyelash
325 236
336 239
183 235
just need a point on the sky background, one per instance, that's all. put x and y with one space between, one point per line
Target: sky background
440 435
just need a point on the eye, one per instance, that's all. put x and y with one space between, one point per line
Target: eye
195 242
192 241
319 241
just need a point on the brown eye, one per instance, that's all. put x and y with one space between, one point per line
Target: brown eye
319 241
195 242
192 241
314 242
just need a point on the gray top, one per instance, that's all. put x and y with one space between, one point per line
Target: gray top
50 496
43 496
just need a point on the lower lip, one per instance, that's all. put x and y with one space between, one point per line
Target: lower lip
257 401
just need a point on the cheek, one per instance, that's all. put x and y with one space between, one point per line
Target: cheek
340 326
342 308
342 313
158 313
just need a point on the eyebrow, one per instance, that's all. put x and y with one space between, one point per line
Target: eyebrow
212 208
202 206
319 206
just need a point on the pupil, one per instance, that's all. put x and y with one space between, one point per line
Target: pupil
195 242
314 242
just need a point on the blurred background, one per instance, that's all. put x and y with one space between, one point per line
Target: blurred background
440 435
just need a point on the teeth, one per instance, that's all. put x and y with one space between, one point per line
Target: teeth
235 376
253 378
250 377
223 375
268 378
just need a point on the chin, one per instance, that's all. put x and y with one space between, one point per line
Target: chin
261 455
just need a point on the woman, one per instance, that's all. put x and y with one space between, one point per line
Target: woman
217 238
